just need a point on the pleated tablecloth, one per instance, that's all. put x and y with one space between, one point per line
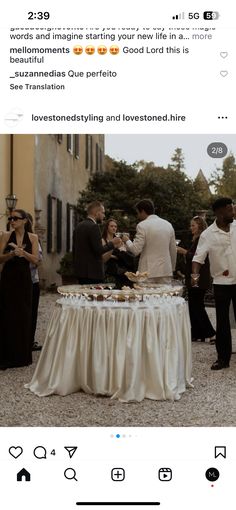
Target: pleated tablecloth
129 352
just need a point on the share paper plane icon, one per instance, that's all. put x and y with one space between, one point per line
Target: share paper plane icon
71 450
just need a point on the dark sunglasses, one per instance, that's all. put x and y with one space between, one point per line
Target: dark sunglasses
15 218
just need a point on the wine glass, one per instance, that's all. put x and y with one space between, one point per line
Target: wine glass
195 277
177 241
127 296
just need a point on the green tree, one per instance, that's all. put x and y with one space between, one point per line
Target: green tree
177 160
117 189
224 179
173 194
124 185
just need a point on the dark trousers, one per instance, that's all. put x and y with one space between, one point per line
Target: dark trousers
201 326
89 281
223 296
35 305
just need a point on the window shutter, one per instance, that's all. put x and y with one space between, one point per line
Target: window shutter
101 160
49 224
68 232
59 225
97 158
69 143
91 153
76 146
86 151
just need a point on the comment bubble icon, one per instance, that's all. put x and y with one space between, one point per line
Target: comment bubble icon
40 452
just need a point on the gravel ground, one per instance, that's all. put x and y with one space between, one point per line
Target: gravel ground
212 401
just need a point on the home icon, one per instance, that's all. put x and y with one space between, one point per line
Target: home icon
23 474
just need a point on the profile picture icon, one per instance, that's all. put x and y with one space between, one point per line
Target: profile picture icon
77 50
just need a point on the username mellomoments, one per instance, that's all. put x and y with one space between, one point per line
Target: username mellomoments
34 59
100 118
25 49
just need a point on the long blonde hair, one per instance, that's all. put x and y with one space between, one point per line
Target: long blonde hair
201 223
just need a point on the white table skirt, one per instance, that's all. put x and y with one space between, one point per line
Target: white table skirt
128 352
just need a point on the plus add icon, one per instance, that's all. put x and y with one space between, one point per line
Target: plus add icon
117 474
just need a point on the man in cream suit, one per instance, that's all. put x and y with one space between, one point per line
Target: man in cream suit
155 242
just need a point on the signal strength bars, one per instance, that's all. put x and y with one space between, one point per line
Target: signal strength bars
179 16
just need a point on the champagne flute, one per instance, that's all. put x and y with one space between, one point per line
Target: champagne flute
21 247
195 278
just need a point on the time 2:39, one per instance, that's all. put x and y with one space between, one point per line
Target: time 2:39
38 15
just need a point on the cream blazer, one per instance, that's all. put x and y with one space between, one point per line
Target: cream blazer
155 242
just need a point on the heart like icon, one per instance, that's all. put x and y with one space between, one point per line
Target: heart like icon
224 73
224 54
15 451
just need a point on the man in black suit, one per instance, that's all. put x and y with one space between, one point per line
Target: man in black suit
88 248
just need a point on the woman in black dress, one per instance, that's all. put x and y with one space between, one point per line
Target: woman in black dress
201 326
118 260
17 249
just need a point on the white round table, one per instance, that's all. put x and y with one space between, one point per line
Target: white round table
129 351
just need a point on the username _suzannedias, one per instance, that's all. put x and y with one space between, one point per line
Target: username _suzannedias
72 73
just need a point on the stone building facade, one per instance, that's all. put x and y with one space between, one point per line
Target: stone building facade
47 173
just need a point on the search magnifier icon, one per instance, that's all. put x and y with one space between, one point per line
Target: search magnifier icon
70 474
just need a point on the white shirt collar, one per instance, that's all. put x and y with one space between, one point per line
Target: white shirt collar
218 229
90 218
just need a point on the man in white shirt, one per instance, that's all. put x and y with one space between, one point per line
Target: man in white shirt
219 242
155 242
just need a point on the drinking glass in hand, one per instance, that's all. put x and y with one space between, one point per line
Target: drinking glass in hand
195 279
121 234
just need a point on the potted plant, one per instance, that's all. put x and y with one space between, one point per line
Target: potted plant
66 269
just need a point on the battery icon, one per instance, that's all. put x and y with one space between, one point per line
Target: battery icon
211 15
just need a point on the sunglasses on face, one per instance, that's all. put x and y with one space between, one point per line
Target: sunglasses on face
15 218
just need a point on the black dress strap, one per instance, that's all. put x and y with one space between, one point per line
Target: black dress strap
12 239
